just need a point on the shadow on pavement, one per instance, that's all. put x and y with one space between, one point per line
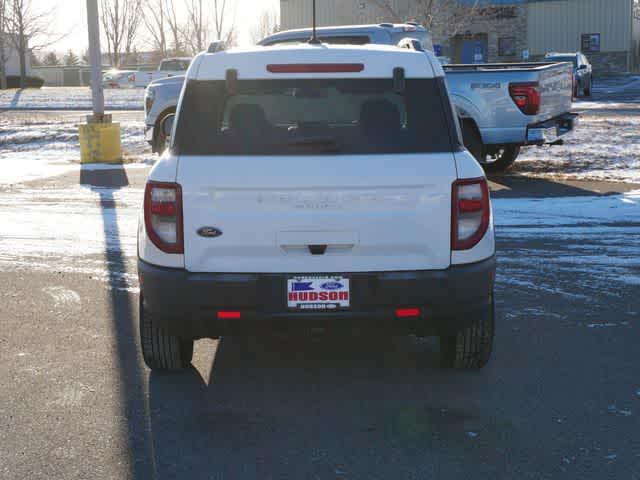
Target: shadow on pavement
522 186
16 98
329 408
124 322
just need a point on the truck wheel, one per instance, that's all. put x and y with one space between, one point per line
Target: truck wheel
160 350
471 348
500 161
587 90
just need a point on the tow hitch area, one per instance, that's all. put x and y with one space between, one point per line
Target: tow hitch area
550 131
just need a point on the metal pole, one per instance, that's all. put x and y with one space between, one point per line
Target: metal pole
95 59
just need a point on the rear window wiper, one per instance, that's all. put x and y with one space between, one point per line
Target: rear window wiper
327 144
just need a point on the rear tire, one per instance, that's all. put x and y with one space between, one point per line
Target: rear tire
471 347
587 90
501 161
161 350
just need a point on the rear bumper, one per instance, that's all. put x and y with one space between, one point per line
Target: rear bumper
551 130
186 303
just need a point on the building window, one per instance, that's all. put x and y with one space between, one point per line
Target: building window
590 42
507 47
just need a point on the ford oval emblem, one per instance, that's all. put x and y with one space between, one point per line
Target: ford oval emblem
332 286
209 232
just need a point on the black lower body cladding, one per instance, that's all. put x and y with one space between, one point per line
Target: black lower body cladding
187 303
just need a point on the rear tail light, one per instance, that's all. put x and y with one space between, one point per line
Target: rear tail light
470 213
229 315
163 216
526 96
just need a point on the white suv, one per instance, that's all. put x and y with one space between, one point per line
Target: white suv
316 186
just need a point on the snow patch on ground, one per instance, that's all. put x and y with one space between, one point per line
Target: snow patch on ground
70 98
593 241
45 148
603 147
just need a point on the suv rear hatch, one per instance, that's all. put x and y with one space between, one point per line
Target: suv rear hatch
316 175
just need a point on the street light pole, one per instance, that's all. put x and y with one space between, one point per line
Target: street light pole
99 137
95 60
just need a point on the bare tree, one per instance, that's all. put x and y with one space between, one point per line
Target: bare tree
120 22
444 17
156 25
175 27
4 50
224 21
201 14
196 28
26 24
266 24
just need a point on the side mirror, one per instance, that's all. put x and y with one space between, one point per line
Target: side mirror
167 125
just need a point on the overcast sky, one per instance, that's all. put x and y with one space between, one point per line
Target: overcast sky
71 19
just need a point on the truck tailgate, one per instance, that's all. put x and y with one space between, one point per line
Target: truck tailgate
556 87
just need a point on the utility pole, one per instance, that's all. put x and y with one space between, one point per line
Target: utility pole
95 59
99 137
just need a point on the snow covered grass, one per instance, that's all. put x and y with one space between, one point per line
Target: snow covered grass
605 146
69 98
49 146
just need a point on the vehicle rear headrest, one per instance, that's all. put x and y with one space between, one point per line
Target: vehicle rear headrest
247 115
379 114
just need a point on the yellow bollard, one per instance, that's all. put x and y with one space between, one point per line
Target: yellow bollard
100 141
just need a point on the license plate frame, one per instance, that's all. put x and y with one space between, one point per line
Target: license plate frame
318 293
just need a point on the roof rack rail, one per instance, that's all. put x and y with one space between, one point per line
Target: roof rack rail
412 22
386 25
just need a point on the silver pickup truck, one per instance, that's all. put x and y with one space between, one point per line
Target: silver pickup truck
501 107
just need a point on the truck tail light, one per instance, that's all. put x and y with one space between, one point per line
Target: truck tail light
163 216
526 96
470 213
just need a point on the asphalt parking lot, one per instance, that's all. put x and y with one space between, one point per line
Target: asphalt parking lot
559 400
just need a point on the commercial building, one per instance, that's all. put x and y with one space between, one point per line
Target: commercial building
606 31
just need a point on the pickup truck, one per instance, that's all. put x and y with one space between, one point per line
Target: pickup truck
169 67
161 99
315 186
501 107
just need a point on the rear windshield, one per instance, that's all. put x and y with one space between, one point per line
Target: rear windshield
297 117
566 58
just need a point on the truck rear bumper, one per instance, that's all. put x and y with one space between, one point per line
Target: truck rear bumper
551 130
187 303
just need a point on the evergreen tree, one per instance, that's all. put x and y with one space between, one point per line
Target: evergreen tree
71 59
35 61
51 59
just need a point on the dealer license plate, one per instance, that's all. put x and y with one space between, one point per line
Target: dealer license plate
318 293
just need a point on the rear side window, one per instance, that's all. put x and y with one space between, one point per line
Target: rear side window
175 65
298 117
